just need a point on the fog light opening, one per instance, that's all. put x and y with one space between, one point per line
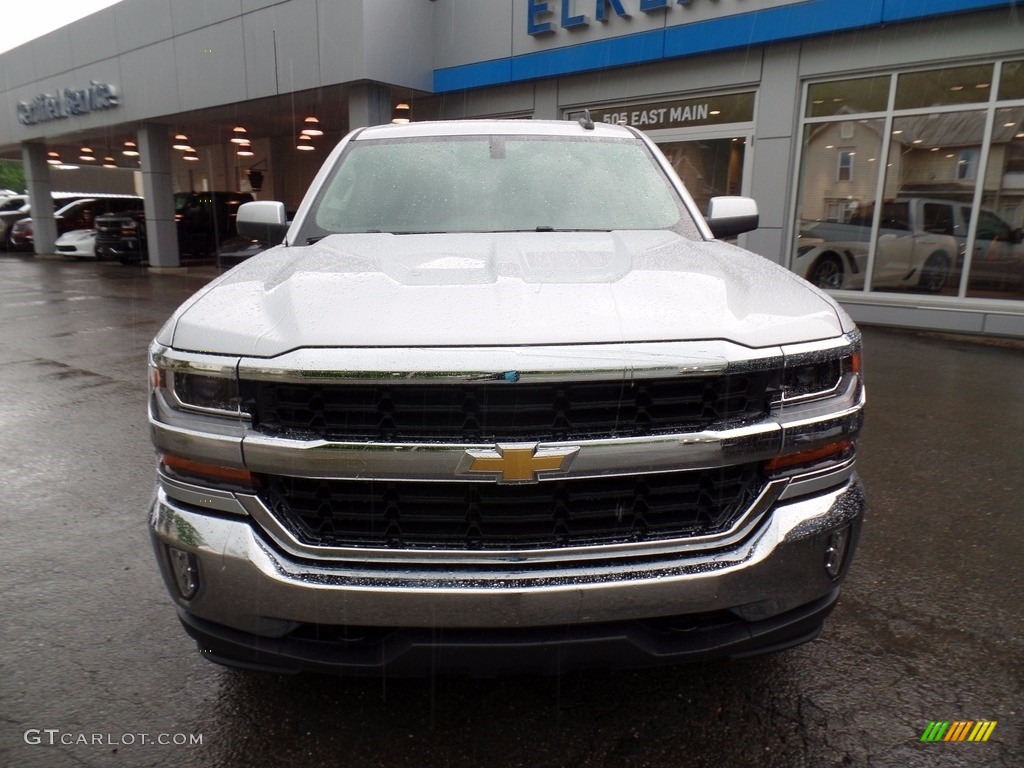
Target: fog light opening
835 551
185 568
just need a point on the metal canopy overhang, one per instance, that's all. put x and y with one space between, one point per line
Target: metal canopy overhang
272 117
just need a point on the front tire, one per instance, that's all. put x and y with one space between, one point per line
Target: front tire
934 273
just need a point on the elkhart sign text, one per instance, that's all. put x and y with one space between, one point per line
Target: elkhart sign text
68 102
542 14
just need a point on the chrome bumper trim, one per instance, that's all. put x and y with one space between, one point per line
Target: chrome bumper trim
595 458
249 585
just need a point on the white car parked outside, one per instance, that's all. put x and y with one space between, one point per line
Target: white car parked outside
78 243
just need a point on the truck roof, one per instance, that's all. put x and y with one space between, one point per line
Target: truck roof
488 127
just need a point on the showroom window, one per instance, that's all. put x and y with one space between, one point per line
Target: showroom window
925 197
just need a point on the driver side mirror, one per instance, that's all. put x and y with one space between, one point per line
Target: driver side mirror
730 215
264 220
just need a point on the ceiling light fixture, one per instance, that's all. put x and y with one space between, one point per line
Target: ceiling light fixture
87 156
181 142
305 144
53 158
190 155
402 113
312 127
130 149
244 148
238 135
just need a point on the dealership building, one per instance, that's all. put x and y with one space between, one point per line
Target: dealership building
882 139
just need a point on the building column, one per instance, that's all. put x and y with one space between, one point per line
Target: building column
161 231
37 181
774 174
368 104
545 100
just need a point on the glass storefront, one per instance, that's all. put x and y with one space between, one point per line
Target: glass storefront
914 182
704 137
709 167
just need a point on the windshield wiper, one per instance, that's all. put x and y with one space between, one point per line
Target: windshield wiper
311 240
546 228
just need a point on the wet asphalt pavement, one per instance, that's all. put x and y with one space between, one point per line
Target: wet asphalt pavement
96 671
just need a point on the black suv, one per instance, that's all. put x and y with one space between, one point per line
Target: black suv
204 220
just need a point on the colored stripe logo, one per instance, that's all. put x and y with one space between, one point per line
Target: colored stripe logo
958 730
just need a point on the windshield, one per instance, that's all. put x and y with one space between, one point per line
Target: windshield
12 204
496 184
72 207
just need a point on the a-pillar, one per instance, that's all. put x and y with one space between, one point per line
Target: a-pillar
368 104
161 232
37 181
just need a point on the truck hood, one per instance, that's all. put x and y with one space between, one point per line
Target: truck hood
479 289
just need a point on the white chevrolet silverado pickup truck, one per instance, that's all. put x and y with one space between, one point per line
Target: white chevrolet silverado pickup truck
500 401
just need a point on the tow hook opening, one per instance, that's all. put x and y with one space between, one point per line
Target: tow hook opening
837 546
185 569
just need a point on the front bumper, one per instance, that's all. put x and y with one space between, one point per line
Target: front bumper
258 606
114 250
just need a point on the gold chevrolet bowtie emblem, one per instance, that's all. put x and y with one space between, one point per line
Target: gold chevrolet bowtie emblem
519 463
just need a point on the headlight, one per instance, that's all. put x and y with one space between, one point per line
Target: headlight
207 393
810 379
201 383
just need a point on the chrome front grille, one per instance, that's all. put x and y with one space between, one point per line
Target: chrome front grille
493 517
500 411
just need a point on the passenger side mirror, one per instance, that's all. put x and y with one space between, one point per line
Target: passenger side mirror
728 216
264 220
